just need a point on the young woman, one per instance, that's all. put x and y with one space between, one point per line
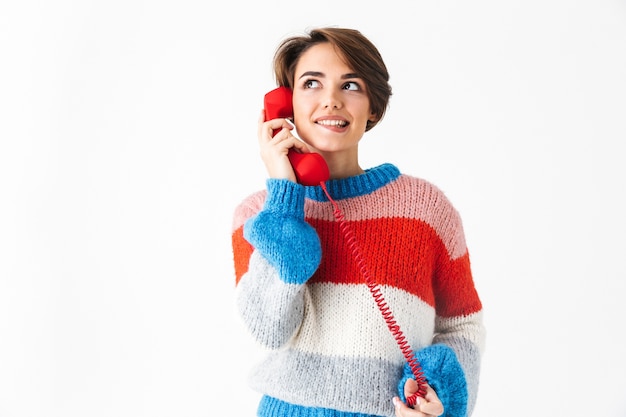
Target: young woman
300 286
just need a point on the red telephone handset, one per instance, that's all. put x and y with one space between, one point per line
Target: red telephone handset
310 168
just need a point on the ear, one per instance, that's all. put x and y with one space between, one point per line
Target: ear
373 117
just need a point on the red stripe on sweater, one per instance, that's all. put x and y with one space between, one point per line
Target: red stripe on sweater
400 252
242 250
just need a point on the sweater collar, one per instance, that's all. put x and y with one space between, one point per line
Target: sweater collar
366 183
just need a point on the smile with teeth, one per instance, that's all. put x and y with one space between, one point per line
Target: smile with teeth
334 123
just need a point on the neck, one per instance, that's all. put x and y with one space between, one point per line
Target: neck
343 166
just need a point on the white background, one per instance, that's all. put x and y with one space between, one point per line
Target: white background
128 135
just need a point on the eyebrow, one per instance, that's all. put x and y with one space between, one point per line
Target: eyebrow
321 74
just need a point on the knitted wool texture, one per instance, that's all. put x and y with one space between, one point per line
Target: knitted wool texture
302 296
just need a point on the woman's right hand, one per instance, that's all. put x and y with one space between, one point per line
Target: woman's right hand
274 149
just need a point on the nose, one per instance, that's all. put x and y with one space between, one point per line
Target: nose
332 100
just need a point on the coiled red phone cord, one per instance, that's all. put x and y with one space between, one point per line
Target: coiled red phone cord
374 289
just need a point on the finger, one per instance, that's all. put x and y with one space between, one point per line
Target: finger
283 124
399 407
274 135
298 145
429 408
402 410
260 122
266 128
279 124
430 404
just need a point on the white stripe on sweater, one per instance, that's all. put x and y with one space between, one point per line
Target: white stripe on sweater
344 325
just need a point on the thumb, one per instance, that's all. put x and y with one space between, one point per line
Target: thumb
410 387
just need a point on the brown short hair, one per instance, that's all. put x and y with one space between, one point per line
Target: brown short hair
358 51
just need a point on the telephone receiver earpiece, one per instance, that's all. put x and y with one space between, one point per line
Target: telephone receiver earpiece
310 168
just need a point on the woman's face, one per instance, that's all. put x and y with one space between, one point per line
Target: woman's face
331 106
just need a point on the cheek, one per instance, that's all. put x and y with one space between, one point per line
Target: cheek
300 111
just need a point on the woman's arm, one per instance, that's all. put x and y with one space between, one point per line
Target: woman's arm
275 253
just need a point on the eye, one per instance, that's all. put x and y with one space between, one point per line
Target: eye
352 86
311 84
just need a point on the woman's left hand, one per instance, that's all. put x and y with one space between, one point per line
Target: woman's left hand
429 406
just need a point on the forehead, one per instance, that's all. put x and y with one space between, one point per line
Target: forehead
324 58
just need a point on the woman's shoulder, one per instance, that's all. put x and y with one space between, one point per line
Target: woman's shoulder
426 201
248 207
422 188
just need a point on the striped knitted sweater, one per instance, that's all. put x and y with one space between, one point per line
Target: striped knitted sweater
302 296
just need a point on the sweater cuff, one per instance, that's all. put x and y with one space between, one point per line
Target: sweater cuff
282 235
444 374
285 197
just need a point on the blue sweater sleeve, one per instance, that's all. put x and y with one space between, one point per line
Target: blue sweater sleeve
280 233
444 374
